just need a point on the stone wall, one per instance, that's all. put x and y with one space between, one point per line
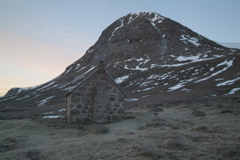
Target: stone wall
97 100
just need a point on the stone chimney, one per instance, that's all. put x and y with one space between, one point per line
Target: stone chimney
101 65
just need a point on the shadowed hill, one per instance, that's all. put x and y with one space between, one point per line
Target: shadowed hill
153 59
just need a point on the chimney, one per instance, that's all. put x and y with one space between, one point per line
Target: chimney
100 65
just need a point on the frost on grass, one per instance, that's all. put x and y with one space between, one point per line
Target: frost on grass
132 99
62 110
55 116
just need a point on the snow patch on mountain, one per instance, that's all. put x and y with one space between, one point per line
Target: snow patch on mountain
144 89
180 85
137 68
90 50
128 60
84 74
78 65
44 101
82 69
227 63
155 19
233 91
26 89
147 83
24 97
121 79
132 17
68 86
228 82
69 69
187 39
45 86
220 49
116 28
192 59
141 62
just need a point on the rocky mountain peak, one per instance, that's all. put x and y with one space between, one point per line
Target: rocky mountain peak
148 35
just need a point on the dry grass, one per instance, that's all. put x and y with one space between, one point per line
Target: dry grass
184 131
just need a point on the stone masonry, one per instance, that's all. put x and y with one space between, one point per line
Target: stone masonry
98 99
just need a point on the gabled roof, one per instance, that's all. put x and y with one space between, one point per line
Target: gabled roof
115 83
94 72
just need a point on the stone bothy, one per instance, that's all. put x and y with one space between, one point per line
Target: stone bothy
97 99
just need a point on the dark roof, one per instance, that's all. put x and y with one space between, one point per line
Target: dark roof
85 79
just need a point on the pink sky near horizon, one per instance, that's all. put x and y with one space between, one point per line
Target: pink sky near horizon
31 61
40 38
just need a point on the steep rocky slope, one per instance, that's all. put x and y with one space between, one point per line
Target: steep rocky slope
153 58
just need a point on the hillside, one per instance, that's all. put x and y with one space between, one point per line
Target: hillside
153 58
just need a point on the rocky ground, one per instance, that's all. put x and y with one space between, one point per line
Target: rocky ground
197 130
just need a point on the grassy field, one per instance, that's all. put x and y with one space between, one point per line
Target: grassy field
198 130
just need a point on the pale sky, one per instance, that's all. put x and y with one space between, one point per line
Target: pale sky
40 38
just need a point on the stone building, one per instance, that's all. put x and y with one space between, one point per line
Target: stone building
97 99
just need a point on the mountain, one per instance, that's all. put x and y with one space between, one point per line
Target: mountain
230 45
153 58
15 91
